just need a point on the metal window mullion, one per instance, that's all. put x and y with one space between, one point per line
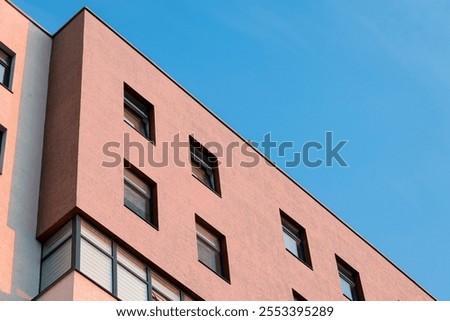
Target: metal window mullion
114 269
40 269
76 243
149 284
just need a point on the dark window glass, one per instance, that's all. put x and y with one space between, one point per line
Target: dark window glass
295 239
204 165
2 146
210 250
349 281
136 121
138 113
5 68
138 196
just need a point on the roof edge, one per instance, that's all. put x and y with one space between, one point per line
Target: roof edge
28 18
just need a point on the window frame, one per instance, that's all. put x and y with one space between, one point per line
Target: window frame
76 235
181 294
134 103
3 132
152 216
46 256
201 158
222 251
352 278
299 236
212 248
117 263
110 256
8 65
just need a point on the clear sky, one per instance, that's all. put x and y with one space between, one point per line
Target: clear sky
374 72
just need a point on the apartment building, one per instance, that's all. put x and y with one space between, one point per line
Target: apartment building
114 187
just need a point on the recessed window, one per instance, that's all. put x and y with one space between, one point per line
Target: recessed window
204 165
2 146
297 297
140 195
295 240
211 249
350 282
139 113
6 60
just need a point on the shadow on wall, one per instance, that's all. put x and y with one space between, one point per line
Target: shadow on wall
24 197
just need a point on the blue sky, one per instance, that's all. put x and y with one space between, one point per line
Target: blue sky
374 72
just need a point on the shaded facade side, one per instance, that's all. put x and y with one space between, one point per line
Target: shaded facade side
23 97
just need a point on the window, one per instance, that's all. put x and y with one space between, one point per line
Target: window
56 256
295 240
132 277
139 113
79 246
6 60
162 290
204 165
96 257
297 296
2 146
350 282
140 195
211 249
